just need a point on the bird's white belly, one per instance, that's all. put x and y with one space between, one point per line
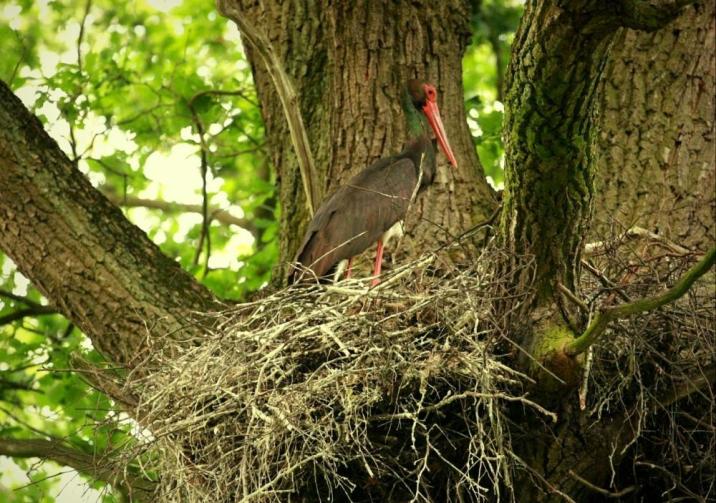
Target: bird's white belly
395 232
340 269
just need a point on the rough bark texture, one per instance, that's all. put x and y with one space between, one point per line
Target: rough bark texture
559 56
349 62
78 249
551 84
656 131
95 465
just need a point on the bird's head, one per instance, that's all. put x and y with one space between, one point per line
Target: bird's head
425 99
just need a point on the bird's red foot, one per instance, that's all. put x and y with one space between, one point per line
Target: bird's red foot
378 263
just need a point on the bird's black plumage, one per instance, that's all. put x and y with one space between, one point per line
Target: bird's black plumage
359 212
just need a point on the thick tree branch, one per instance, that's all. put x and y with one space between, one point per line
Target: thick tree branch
82 254
287 94
602 319
650 15
98 467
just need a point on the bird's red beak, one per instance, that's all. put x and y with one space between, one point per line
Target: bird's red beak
431 111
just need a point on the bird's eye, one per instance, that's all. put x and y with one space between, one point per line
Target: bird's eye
430 93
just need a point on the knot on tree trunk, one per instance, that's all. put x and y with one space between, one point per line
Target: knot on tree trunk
548 362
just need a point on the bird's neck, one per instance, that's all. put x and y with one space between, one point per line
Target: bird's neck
419 146
422 152
417 122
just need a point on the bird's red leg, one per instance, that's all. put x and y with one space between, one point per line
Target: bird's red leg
378 263
349 269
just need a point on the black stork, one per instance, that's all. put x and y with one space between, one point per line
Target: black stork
372 205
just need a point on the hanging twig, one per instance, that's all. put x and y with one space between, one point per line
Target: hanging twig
204 159
287 95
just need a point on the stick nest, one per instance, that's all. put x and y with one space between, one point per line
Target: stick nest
397 393
322 391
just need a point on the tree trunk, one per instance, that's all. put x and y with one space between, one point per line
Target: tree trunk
78 249
558 59
349 62
656 131
556 63
560 54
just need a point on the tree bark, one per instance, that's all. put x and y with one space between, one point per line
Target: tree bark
349 62
558 60
95 465
656 131
560 54
77 248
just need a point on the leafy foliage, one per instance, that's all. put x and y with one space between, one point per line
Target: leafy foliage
154 100
494 23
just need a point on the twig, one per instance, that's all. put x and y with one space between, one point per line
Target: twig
604 492
80 36
551 487
28 311
217 214
287 96
204 165
602 319
19 298
462 396
219 92
674 478
601 247
20 386
606 282
571 296
584 386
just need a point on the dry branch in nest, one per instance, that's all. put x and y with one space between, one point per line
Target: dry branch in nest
657 369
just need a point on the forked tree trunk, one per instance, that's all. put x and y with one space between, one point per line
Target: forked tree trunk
349 62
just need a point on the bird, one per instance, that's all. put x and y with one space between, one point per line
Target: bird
372 206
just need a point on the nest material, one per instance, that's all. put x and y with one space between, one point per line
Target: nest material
321 391
337 393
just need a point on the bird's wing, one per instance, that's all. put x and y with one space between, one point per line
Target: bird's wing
358 214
